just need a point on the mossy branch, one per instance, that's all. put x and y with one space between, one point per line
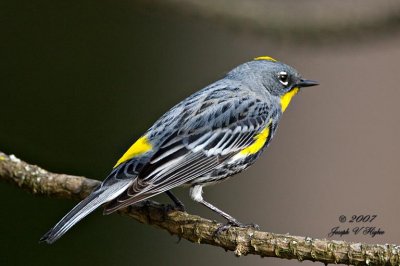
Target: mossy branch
242 241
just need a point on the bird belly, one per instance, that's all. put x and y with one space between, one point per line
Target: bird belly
225 171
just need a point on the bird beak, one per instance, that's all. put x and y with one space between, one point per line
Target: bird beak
306 83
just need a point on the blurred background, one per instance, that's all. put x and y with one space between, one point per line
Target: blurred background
80 81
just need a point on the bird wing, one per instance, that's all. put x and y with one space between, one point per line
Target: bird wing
207 137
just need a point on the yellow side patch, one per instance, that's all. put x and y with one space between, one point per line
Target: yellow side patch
287 97
268 58
141 146
259 142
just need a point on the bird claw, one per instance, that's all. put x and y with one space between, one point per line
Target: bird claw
230 224
169 207
180 208
253 225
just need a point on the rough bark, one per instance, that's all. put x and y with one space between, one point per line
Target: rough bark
242 241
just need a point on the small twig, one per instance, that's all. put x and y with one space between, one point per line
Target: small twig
242 241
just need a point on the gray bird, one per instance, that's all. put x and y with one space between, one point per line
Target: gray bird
211 135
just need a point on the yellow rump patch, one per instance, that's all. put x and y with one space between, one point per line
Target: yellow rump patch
287 97
259 142
141 146
268 58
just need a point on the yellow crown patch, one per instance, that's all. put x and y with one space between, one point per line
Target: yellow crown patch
268 58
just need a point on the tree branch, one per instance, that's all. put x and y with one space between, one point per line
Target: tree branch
242 241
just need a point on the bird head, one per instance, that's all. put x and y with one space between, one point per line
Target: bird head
277 78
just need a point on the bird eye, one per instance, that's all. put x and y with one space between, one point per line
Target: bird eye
283 78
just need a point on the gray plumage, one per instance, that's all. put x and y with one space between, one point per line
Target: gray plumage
199 141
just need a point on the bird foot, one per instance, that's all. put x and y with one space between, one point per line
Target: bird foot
180 208
234 223
169 207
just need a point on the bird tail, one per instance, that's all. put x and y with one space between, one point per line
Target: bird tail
83 208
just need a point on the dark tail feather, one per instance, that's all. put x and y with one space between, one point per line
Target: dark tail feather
83 208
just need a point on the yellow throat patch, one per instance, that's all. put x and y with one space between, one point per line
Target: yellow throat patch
141 146
287 97
259 142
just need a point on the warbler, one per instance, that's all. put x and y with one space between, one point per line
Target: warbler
213 134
